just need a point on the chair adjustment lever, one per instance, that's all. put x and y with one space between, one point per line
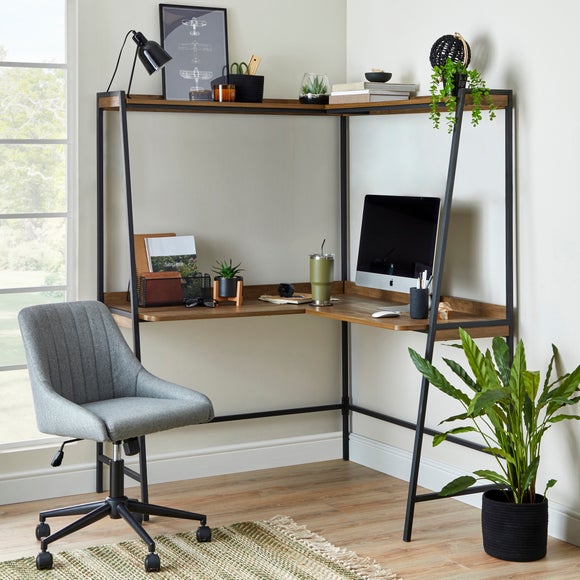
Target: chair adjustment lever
58 456
131 446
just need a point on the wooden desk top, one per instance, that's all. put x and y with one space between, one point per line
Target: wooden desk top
353 304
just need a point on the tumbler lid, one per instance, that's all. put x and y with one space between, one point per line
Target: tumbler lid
322 256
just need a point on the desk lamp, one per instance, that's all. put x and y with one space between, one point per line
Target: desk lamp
149 52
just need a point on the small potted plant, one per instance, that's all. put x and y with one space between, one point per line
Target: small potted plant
227 276
511 411
450 57
314 89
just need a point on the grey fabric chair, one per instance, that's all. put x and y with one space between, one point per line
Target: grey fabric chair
87 384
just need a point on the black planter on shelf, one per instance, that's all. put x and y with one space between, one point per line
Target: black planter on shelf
517 532
249 88
227 287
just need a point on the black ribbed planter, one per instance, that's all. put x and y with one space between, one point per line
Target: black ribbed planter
227 287
517 532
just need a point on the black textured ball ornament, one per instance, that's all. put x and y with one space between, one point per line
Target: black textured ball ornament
452 46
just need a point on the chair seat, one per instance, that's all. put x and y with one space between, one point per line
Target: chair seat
127 417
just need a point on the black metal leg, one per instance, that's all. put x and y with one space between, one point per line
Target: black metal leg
126 515
73 510
158 510
87 520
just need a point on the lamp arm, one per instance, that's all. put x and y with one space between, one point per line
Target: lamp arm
132 71
119 60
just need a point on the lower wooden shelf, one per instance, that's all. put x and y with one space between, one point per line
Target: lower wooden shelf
352 304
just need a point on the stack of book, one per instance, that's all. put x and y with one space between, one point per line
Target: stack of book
365 92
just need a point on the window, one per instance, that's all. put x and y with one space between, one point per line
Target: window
35 209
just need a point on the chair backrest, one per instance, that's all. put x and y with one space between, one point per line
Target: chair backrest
77 350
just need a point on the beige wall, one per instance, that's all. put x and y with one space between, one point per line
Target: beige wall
508 42
262 190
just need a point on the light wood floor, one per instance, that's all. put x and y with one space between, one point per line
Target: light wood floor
350 505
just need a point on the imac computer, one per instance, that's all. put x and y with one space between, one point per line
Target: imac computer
397 241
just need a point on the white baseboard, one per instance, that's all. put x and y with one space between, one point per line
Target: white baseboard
77 479
23 486
563 523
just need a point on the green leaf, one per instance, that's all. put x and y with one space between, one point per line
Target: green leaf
529 475
462 373
440 437
436 378
482 402
457 485
562 417
481 366
502 357
551 483
492 476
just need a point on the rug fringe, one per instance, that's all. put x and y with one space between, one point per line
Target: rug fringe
367 567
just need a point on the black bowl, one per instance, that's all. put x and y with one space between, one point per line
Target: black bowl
378 76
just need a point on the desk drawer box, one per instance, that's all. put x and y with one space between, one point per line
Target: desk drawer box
160 289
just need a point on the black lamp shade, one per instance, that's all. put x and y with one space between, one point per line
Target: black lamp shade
150 53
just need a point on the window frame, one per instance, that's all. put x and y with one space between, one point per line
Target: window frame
70 288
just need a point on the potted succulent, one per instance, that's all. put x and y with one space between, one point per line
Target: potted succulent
450 57
314 89
509 408
227 276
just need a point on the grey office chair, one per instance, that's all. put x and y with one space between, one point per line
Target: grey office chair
88 384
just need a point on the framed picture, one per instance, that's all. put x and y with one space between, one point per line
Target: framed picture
197 39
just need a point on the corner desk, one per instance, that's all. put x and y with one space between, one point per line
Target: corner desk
354 304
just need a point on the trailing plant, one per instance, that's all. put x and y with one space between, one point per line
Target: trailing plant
443 88
225 269
507 407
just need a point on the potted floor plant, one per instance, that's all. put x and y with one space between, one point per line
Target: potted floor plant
450 57
506 404
227 276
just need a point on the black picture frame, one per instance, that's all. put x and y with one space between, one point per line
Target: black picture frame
196 38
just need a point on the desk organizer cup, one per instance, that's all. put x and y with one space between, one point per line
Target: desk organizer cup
419 303
321 274
249 88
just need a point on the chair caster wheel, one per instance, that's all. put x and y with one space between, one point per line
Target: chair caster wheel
42 530
152 563
137 517
203 534
44 561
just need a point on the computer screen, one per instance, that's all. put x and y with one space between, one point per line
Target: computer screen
397 241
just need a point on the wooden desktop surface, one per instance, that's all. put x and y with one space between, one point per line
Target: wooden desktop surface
353 304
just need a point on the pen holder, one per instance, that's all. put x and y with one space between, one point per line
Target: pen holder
419 303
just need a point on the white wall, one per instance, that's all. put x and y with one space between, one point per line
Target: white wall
262 190
404 155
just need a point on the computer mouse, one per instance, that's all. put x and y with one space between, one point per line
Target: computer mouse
385 314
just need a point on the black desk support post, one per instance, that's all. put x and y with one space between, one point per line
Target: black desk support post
344 267
434 325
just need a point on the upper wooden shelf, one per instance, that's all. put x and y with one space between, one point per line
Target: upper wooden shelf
155 103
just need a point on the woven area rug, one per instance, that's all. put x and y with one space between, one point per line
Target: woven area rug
277 549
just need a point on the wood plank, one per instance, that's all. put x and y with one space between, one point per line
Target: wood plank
354 304
155 103
350 505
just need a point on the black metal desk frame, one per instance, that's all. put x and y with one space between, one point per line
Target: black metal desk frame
118 101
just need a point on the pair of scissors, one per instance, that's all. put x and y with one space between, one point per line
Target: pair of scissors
239 68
